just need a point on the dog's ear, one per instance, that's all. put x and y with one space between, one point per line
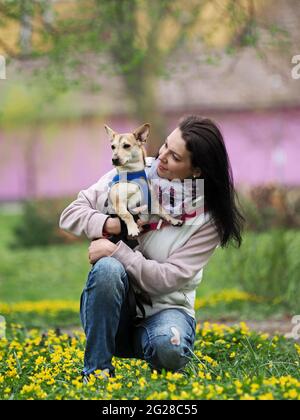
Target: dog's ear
111 133
142 133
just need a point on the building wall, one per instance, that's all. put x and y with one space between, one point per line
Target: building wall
60 160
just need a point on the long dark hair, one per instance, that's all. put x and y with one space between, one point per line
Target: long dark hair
205 142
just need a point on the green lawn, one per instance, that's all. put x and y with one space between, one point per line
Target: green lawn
59 272
228 363
40 287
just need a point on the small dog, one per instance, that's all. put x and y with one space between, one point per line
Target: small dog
128 157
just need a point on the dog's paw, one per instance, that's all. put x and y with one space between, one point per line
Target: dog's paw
176 222
133 231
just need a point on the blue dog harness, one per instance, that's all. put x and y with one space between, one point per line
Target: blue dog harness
140 178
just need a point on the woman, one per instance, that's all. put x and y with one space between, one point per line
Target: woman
167 264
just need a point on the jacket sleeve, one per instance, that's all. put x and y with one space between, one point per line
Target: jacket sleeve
183 264
83 215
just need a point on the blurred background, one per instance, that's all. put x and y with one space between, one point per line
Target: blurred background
73 66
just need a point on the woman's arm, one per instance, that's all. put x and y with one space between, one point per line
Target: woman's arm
160 278
83 216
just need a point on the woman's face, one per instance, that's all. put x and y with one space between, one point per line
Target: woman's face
175 159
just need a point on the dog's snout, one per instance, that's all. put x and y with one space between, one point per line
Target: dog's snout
116 161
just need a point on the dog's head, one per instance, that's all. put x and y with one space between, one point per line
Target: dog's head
128 148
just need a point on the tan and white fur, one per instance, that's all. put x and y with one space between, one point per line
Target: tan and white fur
128 155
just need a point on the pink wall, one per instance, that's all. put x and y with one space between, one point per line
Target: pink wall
63 159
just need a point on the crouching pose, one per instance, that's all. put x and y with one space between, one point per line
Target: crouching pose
167 261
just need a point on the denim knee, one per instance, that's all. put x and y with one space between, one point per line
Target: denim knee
166 355
109 273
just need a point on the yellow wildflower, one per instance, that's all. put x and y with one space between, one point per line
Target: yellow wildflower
266 397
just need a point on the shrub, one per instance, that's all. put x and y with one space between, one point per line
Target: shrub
39 224
268 266
271 206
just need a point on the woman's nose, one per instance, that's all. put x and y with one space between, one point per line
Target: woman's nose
163 156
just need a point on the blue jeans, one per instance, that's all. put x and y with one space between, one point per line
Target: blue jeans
163 340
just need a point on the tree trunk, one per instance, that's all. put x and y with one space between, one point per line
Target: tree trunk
142 89
30 158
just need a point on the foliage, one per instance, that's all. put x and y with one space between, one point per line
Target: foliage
264 208
71 47
227 363
39 225
266 265
57 313
269 267
271 206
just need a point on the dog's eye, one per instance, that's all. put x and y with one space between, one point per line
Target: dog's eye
113 147
126 146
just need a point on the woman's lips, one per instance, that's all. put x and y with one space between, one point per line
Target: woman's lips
162 168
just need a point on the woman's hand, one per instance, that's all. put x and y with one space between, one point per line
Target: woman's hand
100 248
112 226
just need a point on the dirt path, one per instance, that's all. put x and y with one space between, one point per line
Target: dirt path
272 327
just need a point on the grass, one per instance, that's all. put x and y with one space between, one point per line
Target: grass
227 363
7 223
53 272
59 272
56 272
40 287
